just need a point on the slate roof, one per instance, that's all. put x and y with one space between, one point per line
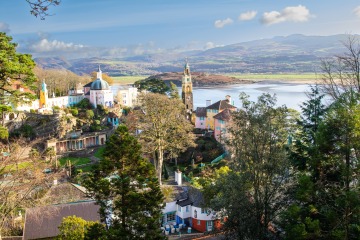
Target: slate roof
200 112
224 115
220 105
43 222
192 197
88 84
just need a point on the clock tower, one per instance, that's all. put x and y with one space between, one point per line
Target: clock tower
187 95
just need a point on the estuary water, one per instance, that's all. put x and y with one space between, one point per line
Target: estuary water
289 94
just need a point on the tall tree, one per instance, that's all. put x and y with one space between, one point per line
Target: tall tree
16 72
174 91
153 85
252 194
164 127
342 72
124 184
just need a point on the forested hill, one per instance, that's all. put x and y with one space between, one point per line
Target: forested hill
291 54
200 79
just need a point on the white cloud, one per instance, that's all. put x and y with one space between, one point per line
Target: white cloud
44 45
246 16
357 11
4 27
222 23
292 14
209 45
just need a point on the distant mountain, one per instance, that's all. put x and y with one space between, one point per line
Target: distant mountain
291 54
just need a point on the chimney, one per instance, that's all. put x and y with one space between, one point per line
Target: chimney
208 103
228 98
178 177
55 182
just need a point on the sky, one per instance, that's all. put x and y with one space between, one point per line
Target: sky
118 28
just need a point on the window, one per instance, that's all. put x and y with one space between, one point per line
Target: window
221 121
218 128
209 223
202 118
179 208
170 217
187 209
198 222
203 210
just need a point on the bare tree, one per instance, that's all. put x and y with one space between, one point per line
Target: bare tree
342 73
40 8
20 178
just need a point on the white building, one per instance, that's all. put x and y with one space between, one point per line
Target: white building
100 92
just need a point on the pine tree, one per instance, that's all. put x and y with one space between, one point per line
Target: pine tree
124 184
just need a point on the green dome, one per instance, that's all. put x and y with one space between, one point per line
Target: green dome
99 84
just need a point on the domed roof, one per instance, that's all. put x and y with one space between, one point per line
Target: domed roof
99 84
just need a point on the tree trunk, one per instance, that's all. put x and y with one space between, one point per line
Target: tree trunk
160 163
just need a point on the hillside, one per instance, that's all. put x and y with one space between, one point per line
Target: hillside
200 79
290 54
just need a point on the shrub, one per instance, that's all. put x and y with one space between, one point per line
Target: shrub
74 112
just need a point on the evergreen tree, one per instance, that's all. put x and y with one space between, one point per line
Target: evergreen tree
16 69
153 85
124 184
325 201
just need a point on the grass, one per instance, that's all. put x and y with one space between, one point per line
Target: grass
13 167
99 153
74 160
127 79
87 168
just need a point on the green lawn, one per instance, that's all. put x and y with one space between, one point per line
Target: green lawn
127 79
13 167
74 160
99 153
87 168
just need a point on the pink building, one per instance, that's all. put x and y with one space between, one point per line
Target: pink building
200 117
221 120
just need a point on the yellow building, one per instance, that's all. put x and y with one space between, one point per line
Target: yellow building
43 101
214 109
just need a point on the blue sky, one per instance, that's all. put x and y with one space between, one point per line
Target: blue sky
119 28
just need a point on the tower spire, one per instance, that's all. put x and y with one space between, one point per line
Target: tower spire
99 73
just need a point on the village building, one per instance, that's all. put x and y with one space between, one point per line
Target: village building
127 96
43 222
187 90
187 211
100 92
76 141
221 121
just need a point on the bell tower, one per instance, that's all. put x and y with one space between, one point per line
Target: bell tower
187 95
43 102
